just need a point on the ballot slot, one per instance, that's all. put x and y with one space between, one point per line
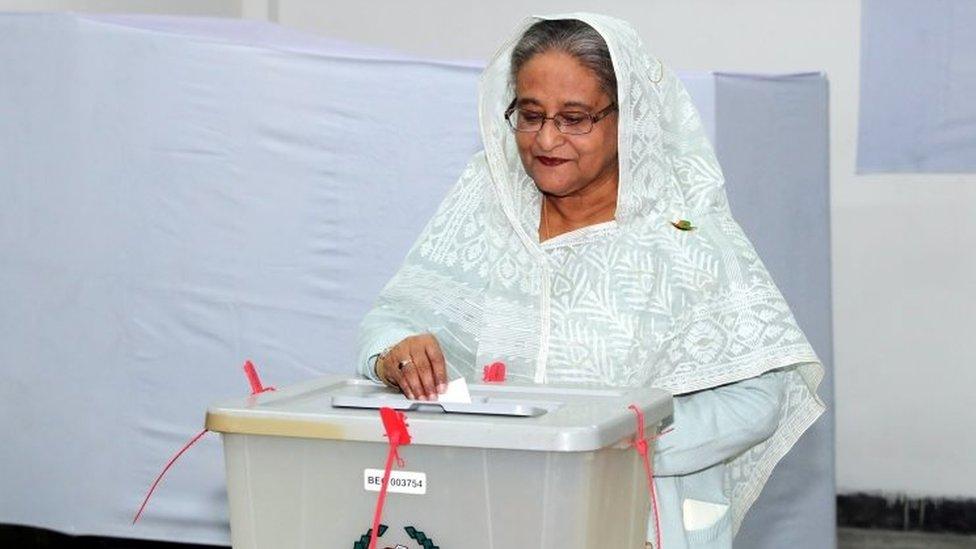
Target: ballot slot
499 400
479 405
485 400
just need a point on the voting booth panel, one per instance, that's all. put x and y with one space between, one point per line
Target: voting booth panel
182 194
772 140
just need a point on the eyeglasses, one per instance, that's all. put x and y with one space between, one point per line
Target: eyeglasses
568 122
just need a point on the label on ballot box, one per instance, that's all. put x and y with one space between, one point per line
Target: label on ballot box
401 482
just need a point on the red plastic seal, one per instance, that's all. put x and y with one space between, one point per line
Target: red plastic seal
494 372
395 425
256 388
642 447
254 380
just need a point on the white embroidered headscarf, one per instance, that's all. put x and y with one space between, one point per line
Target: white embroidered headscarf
632 302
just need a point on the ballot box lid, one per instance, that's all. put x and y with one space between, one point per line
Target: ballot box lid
501 415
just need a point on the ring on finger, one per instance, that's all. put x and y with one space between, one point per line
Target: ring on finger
404 363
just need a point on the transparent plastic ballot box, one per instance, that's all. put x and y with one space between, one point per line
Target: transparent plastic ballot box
520 467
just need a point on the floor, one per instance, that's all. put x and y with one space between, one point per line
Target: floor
848 538
854 538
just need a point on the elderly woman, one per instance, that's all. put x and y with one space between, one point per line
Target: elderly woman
591 243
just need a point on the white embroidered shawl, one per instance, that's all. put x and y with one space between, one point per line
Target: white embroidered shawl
630 302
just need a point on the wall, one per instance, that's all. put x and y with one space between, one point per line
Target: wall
220 8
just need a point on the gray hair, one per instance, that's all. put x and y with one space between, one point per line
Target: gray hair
571 36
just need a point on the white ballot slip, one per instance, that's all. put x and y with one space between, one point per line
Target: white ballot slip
457 391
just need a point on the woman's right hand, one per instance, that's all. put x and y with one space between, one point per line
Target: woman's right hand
416 366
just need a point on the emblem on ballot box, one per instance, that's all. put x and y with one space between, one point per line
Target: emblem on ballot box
419 539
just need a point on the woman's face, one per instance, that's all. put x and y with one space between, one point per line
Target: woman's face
563 164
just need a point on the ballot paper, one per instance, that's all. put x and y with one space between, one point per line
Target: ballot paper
457 391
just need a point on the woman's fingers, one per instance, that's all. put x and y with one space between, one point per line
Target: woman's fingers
421 365
393 373
390 373
410 382
424 372
437 362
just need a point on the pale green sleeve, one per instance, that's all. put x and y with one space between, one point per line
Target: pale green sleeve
382 327
714 425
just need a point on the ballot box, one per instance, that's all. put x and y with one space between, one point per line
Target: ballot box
519 467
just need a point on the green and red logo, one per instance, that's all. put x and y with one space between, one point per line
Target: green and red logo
418 540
